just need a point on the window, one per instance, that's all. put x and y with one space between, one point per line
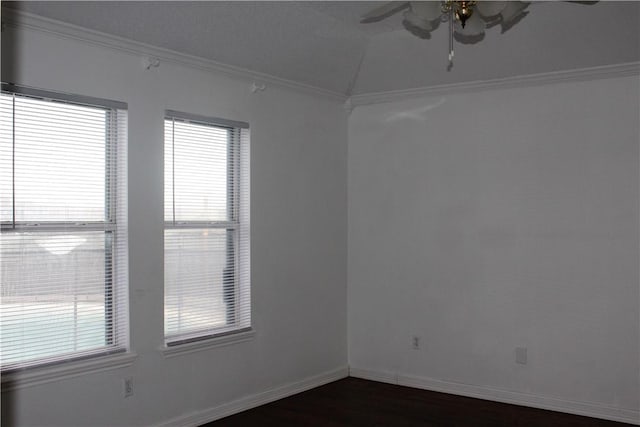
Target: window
63 240
206 237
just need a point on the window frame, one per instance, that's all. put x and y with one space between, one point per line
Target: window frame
116 331
231 332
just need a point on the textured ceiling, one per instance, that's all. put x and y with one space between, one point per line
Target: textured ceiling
323 44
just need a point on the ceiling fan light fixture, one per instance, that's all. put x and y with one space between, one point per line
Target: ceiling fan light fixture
471 33
463 11
467 20
474 26
468 39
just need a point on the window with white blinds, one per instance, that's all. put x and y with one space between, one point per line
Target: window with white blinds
63 240
206 237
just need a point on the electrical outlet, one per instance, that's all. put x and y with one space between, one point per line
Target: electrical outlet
128 387
521 355
415 342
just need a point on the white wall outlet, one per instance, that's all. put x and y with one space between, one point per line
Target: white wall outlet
415 342
521 355
128 387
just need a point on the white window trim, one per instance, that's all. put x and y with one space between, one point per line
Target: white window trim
207 343
34 376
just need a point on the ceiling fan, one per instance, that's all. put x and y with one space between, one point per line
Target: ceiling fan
467 19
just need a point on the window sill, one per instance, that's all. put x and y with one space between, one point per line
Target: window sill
207 344
37 376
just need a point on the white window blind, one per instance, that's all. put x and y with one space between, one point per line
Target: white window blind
206 238
63 240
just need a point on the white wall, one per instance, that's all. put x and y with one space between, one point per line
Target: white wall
479 222
298 209
486 221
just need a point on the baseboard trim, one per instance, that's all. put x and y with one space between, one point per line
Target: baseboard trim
503 396
207 415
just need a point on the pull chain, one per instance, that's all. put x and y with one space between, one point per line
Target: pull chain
451 53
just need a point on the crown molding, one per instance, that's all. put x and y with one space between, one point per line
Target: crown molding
18 19
576 75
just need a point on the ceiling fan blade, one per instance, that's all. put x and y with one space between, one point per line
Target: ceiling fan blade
384 11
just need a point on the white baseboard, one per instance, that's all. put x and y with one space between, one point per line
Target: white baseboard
535 401
211 414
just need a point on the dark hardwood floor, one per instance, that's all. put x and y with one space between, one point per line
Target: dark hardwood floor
356 402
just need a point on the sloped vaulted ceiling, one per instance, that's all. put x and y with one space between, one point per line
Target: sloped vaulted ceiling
322 44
